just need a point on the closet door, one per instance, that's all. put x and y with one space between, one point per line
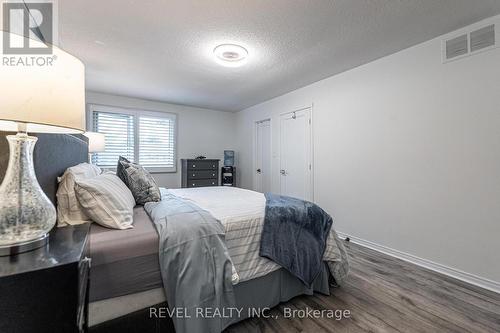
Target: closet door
262 180
296 154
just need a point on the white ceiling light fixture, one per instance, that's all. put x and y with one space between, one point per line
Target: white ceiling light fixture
231 55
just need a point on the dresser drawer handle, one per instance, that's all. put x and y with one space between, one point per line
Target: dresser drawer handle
194 165
87 260
194 175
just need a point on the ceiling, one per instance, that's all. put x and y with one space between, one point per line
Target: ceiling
162 50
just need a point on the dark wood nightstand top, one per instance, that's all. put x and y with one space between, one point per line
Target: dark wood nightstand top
66 245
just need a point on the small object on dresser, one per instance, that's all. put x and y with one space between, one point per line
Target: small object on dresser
228 157
201 157
199 173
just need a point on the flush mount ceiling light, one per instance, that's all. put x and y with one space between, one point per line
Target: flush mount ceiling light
230 55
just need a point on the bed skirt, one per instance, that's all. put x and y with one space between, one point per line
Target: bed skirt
251 297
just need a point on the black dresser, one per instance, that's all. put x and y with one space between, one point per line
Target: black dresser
46 290
199 173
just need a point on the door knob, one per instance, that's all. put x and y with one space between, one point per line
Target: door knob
283 172
259 171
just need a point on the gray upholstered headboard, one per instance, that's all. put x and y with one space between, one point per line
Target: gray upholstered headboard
53 154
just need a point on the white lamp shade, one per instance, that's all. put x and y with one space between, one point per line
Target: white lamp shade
47 98
97 142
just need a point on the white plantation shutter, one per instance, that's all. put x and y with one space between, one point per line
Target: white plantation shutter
119 132
157 141
145 137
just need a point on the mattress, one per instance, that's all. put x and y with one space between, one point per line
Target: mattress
124 261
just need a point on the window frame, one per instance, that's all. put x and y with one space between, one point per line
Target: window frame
136 113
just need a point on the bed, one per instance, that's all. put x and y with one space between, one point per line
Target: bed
126 279
125 270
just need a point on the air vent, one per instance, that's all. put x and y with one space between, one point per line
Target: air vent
482 38
457 46
470 42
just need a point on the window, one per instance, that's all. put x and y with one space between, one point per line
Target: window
119 132
144 137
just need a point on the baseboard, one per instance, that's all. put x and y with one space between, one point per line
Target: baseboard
452 272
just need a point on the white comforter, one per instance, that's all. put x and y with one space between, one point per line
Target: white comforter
242 214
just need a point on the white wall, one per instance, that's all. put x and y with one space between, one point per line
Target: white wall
406 153
200 131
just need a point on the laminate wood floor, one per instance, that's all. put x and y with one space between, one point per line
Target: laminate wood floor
385 294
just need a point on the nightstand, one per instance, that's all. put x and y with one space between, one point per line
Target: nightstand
46 290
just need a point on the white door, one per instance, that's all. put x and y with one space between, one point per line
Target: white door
295 154
263 156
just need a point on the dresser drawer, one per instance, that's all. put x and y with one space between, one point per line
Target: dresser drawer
202 174
202 165
202 182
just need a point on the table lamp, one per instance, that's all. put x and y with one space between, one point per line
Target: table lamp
34 99
97 143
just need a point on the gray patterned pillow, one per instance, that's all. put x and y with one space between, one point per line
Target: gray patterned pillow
120 169
139 181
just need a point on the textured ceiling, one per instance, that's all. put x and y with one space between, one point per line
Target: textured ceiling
162 50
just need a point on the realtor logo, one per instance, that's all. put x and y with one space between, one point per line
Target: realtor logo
33 20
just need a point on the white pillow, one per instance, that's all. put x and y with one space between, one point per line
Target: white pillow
69 210
106 200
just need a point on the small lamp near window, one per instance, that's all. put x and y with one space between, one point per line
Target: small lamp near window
34 99
97 143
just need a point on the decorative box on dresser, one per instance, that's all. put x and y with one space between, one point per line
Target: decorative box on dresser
46 290
199 173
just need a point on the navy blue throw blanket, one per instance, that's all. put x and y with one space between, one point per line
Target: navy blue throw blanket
294 236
